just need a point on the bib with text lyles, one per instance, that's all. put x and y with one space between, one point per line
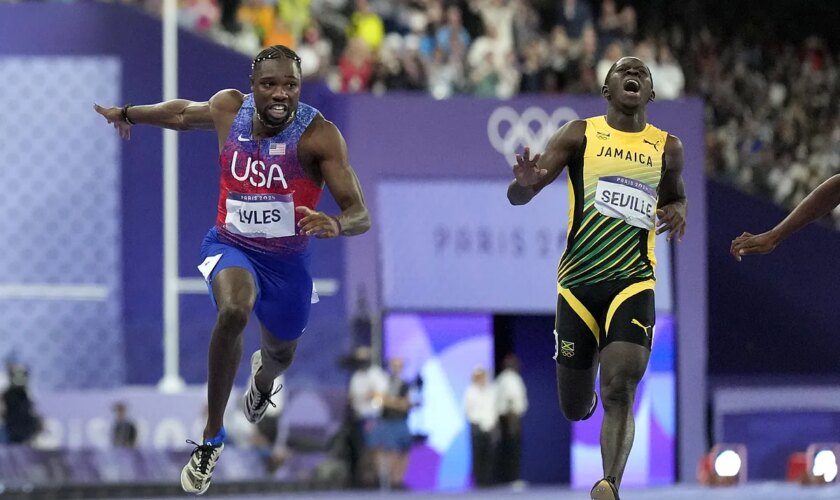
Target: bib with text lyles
627 199
260 215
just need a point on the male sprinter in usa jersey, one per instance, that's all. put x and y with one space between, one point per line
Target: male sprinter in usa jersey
623 173
276 154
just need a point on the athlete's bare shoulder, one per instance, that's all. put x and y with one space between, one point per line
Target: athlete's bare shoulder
568 138
224 106
321 133
227 101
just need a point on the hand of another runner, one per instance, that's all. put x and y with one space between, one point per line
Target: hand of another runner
752 244
526 171
317 224
672 219
114 117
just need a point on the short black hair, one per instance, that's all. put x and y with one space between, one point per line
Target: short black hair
615 64
276 52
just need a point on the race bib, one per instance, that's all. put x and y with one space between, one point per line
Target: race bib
632 201
260 215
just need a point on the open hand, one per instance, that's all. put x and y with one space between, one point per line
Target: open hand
672 219
750 244
114 116
526 171
317 224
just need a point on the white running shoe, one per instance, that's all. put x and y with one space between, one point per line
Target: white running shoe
256 403
196 475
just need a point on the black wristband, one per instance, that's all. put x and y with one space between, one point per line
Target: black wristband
124 114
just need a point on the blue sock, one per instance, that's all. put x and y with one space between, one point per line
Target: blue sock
217 439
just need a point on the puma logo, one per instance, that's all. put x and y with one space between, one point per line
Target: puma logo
655 145
636 322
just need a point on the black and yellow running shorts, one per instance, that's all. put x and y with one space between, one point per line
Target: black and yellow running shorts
589 317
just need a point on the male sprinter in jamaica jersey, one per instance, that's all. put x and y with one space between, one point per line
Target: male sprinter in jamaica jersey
623 174
276 154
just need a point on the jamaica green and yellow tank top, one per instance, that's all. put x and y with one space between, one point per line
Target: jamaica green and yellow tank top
612 205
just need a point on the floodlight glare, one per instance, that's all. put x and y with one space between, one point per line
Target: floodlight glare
728 464
825 465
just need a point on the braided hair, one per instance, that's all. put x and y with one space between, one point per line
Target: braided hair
276 52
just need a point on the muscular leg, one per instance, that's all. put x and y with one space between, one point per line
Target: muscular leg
576 353
235 293
622 366
277 356
576 389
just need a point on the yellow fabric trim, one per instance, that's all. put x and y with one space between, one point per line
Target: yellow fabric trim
626 294
651 247
571 191
581 311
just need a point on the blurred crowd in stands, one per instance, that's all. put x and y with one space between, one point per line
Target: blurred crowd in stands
773 125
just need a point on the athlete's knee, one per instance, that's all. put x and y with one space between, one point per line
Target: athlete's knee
282 357
232 318
282 354
619 391
575 411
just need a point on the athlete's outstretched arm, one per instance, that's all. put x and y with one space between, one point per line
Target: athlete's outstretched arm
672 200
817 204
330 152
177 114
533 174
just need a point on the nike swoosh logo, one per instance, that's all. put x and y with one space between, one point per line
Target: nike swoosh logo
243 139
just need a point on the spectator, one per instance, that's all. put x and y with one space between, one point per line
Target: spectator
366 25
609 23
487 47
559 59
575 16
295 15
229 20
420 31
452 34
260 16
355 67
481 413
498 15
413 66
315 53
4 384
526 23
669 78
613 53
584 75
368 381
512 403
280 34
446 75
22 422
391 439
535 69
627 15
124 431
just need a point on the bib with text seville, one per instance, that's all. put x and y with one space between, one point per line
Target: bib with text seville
627 199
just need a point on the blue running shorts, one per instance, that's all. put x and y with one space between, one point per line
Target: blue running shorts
284 284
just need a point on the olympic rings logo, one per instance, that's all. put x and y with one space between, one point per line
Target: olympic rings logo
509 132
